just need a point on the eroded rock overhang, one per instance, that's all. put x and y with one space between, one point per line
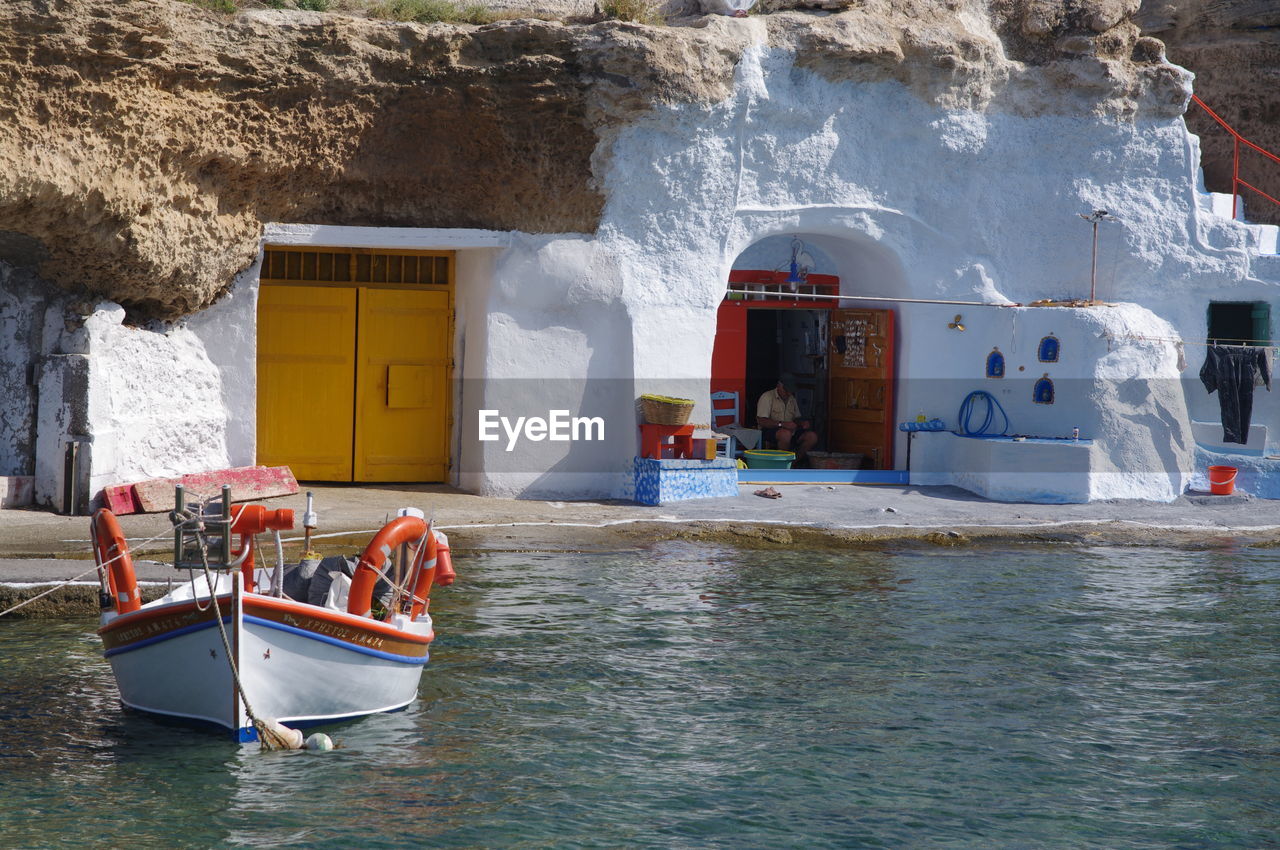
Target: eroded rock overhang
147 142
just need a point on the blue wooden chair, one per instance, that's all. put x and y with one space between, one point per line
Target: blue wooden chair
724 411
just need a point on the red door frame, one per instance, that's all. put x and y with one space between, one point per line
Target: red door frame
729 354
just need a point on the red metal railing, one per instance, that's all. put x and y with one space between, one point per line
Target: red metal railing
1239 140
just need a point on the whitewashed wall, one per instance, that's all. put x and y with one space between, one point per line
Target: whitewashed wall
910 201
228 334
1123 395
156 401
900 197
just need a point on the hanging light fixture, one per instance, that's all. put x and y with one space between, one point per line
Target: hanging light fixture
799 273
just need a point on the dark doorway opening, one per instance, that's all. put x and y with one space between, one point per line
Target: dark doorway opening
1239 323
790 342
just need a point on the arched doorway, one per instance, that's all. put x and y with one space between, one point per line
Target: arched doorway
783 313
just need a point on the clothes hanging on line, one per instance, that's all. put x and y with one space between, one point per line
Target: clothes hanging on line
1231 370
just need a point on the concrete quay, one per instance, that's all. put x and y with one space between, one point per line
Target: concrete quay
38 549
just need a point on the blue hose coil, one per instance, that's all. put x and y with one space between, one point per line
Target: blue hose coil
967 411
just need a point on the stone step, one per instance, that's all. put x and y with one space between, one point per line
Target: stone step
1262 238
1268 237
16 491
1219 204
1267 266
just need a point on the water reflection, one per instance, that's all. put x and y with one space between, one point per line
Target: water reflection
1029 696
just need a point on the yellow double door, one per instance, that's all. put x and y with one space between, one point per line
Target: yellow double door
353 382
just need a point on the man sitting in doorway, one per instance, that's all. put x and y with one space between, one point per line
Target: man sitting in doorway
778 418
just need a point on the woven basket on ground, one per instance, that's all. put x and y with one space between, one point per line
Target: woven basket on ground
664 410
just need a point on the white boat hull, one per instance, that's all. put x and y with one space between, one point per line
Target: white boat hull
298 664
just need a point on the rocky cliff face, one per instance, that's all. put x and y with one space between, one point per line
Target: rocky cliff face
147 141
1233 46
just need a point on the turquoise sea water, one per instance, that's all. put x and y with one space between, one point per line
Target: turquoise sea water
707 697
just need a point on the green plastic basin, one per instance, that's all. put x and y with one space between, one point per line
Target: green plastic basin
768 459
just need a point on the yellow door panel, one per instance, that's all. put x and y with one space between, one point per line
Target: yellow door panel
306 374
408 386
402 385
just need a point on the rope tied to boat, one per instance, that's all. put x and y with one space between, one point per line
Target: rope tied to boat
98 568
271 735
400 591
45 593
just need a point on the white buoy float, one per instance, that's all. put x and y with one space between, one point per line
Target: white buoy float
319 741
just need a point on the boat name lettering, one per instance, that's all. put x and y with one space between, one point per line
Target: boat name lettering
334 630
157 626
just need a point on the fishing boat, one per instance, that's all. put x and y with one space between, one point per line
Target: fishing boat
253 650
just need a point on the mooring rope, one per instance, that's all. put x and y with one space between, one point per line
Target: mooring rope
268 738
98 568
45 593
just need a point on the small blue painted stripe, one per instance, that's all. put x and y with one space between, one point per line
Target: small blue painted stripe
248 734
822 476
185 630
376 653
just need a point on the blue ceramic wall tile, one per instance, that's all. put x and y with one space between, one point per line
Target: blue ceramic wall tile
659 481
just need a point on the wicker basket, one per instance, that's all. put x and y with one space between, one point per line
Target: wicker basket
664 410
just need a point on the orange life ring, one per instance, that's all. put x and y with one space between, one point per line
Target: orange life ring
109 547
401 530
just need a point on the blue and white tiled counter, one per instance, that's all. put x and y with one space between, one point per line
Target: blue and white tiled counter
659 481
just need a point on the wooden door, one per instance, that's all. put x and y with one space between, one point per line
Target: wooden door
306 377
354 363
402 385
861 363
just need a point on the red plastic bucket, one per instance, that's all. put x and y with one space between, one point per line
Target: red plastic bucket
1222 480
